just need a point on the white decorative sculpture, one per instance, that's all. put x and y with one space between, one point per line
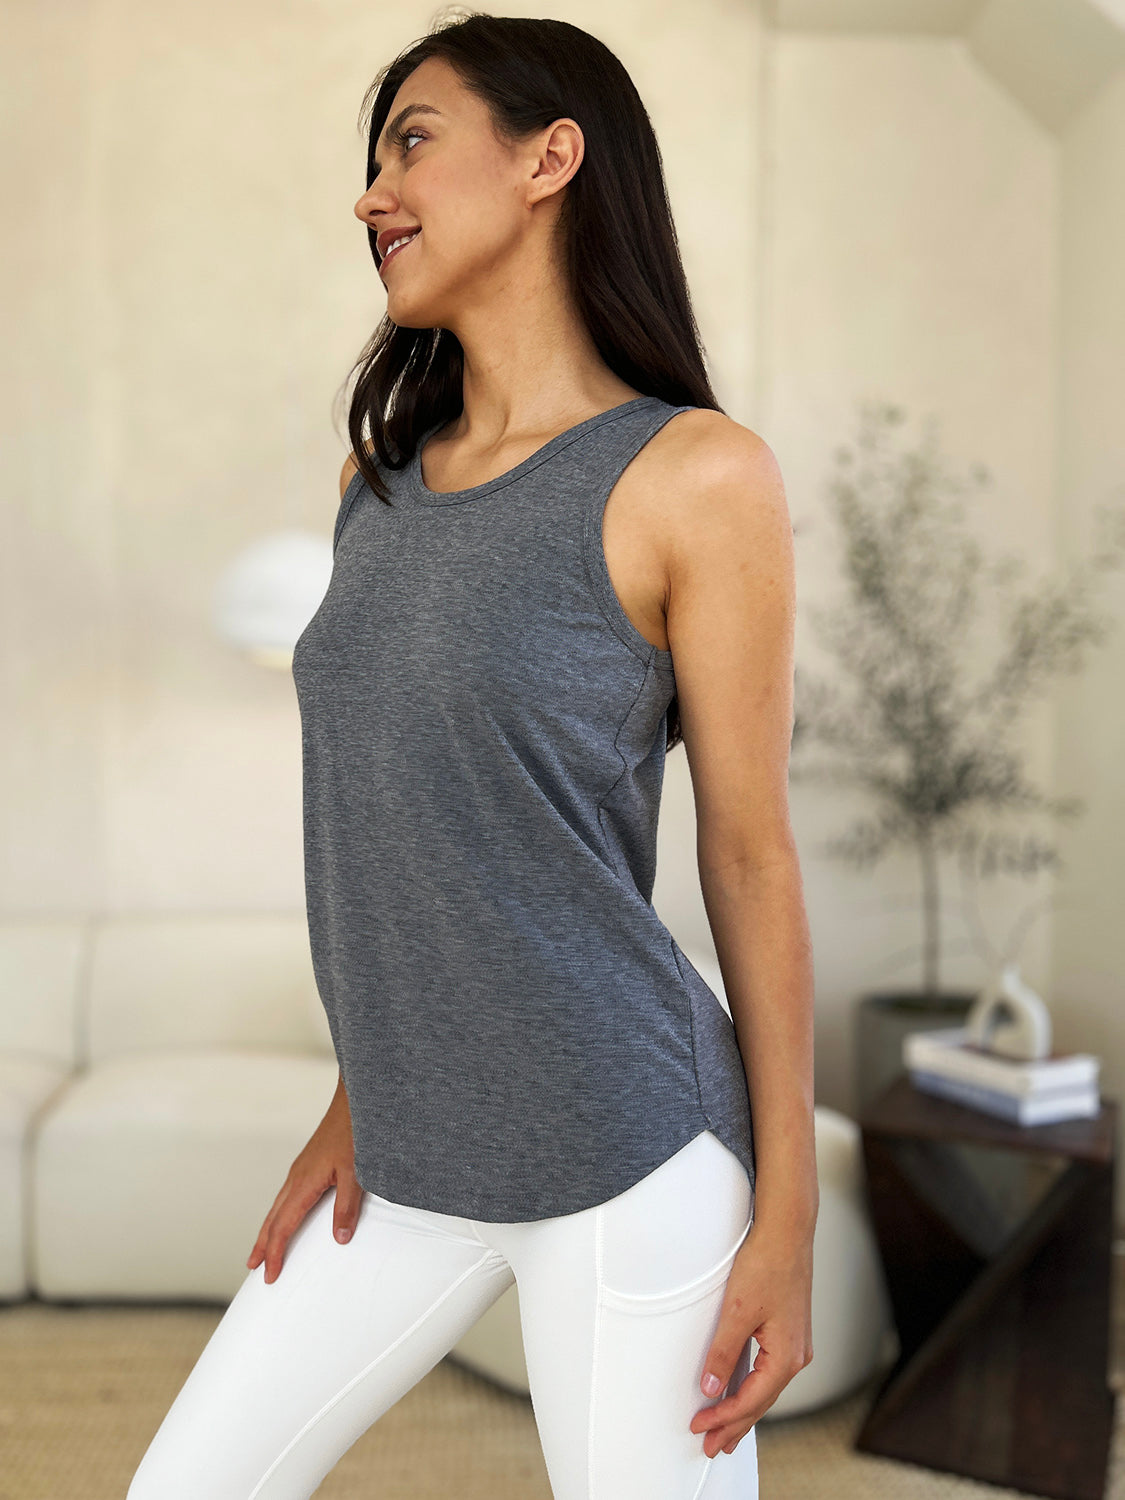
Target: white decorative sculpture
1010 1018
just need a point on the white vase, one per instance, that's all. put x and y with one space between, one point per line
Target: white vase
1010 1018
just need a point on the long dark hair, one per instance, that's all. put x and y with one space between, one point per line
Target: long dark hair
618 241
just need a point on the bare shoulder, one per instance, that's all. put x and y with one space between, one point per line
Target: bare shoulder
705 474
715 456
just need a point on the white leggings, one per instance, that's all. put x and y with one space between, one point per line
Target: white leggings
618 1305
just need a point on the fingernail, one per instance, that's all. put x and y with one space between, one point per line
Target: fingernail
711 1384
343 1234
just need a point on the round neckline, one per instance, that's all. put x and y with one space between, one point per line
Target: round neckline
420 490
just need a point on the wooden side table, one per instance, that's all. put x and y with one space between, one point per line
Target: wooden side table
996 1244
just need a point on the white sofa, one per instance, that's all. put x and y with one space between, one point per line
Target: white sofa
159 1074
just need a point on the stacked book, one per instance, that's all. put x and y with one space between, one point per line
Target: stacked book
1063 1086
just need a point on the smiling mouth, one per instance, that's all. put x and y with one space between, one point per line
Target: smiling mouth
385 262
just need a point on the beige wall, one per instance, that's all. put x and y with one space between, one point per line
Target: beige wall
1088 978
860 216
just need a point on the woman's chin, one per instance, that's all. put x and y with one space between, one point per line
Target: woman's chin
408 311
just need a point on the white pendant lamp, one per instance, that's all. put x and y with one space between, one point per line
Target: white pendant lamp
270 592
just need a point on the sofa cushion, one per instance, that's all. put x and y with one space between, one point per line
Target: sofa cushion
42 962
27 1083
237 980
152 1172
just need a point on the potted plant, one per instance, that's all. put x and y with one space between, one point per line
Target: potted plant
926 724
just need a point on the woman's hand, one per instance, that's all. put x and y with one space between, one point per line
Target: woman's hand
769 1298
328 1158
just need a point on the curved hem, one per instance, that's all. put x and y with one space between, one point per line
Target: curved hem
471 1210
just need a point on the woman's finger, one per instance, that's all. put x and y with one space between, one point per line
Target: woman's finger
283 1231
750 1403
345 1215
753 1398
262 1241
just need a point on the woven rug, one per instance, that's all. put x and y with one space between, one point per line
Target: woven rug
84 1387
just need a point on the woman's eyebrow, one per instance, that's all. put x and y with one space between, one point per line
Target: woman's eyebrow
392 127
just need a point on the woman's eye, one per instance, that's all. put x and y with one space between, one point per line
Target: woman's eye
406 136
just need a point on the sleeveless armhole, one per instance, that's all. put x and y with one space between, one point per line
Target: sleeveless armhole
597 569
351 494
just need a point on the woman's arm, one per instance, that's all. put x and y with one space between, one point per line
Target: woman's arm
757 916
731 610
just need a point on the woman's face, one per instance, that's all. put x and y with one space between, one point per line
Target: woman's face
442 170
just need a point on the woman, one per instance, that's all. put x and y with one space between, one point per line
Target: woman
554 558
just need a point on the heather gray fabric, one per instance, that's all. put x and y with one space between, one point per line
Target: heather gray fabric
483 737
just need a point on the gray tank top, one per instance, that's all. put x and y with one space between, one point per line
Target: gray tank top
483 733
